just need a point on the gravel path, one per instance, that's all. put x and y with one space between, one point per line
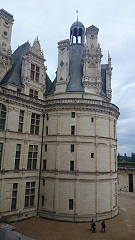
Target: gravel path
118 228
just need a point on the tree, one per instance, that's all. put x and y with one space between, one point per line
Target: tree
118 157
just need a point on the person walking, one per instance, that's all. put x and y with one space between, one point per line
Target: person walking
103 226
91 224
94 227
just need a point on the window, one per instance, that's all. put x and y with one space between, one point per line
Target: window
115 194
35 73
47 117
72 148
46 130
14 196
43 200
6 23
29 194
17 157
43 182
72 114
35 122
45 147
71 165
2 116
70 204
5 33
92 155
115 159
21 118
32 157
44 164
1 148
114 125
92 119
72 130
33 93
18 90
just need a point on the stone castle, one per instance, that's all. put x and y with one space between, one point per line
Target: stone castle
58 140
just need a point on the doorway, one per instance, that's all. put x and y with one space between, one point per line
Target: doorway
130 177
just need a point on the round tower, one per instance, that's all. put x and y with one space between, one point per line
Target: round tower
80 157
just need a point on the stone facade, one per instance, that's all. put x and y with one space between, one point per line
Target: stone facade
126 179
58 140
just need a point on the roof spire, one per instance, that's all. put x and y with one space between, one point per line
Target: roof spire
77 14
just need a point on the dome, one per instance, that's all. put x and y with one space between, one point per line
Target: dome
77 24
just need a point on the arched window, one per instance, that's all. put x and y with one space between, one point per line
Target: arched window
2 116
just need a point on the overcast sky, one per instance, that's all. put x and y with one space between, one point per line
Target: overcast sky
51 20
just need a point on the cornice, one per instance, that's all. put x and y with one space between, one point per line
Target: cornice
59 104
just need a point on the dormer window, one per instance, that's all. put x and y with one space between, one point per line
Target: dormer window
35 73
33 93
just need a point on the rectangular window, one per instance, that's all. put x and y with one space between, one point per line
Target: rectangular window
47 117
92 119
18 90
72 130
70 204
32 157
114 129
32 71
72 148
71 165
30 194
43 200
115 193
1 148
21 118
14 196
72 114
115 159
46 130
44 164
92 155
2 116
43 182
17 156
45 147
33 93
35 122
35 72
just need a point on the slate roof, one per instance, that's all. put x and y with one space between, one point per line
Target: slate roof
103 74
50 86
13 76
77 24
75 69
76 72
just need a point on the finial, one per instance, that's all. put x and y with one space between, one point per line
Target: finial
77 14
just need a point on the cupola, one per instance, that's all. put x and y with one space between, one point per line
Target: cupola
77 33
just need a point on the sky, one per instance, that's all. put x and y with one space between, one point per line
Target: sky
51 20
